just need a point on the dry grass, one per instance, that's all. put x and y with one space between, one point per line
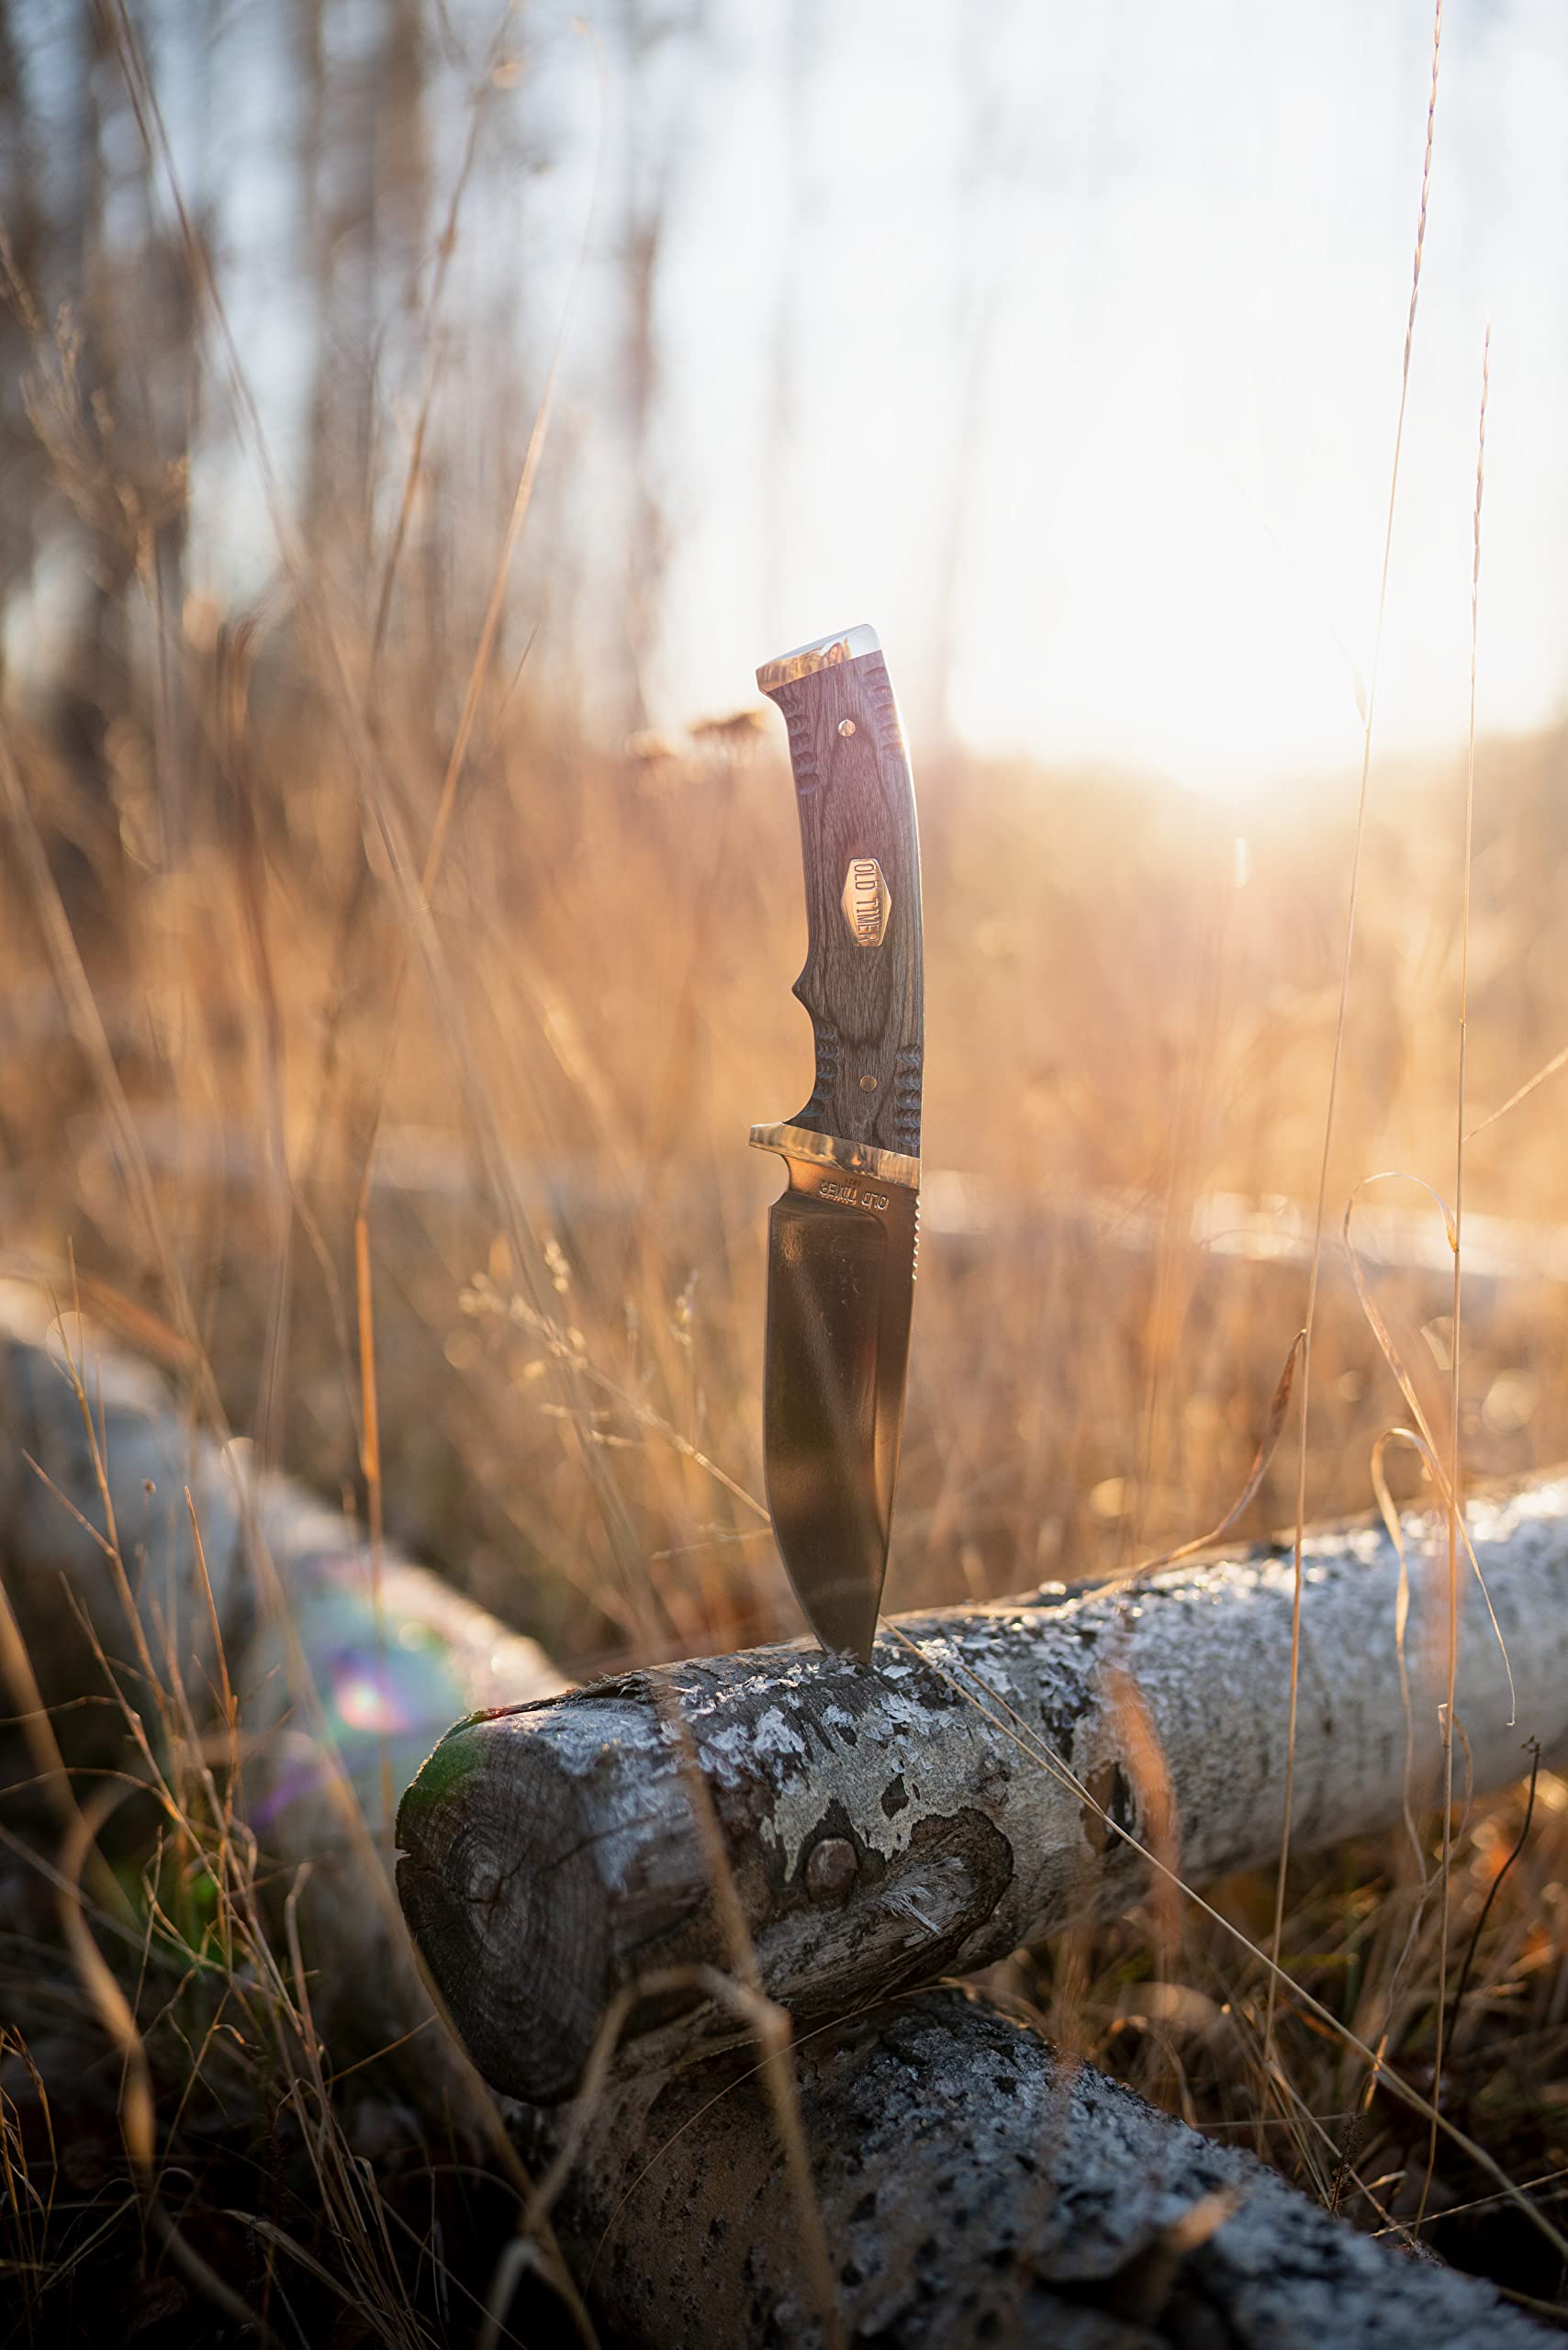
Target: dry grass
1114 1023
234 1021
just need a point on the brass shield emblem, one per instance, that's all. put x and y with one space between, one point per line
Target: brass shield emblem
867 901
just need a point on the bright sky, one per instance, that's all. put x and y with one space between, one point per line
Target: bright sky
1059 338
1134 278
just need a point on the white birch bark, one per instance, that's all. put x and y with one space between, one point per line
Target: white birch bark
923 1816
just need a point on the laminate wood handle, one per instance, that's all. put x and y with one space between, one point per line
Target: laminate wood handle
862 982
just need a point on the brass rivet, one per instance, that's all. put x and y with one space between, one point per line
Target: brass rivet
868 1085
846 726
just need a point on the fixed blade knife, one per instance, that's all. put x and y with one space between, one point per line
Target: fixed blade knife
842 1233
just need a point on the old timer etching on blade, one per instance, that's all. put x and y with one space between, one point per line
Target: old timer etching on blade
842 1236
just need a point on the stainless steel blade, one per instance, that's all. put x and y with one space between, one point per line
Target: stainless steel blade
842 1248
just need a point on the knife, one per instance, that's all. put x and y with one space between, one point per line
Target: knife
842 1233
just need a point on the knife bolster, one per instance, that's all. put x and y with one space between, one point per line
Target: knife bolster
844 1158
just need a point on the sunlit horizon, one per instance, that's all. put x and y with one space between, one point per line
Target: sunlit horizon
1064 346
1127 450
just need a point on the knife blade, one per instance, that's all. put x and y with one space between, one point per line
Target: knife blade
843 1235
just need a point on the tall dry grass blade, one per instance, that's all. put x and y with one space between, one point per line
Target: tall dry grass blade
446 245
1453 1500
778 2072
102 1987
370 1460
206 2278
1394 1528
381 814
750 2073
1395 1361
522 498
1269 1995
479 667
1520 1840
751 2007
1548 1068
226 1688
1267 1444
1481 2202
31 1716
86 1024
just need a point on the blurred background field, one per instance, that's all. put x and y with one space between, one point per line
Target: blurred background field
416 420
1129 1056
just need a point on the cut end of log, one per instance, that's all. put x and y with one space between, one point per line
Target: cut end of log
492 1863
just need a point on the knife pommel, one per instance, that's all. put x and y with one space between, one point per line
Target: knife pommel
862 982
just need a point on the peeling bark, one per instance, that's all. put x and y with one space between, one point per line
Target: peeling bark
974 2190
888 1824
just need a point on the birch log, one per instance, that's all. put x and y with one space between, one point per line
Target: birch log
923 1816
396 1651
345 1666
971 2190
974 2190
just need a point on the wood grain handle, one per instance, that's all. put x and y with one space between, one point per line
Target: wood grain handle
863 981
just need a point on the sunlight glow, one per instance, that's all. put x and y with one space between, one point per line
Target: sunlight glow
1097 430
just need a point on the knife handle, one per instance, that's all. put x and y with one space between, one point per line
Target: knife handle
862 981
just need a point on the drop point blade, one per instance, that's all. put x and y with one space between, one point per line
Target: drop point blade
840 1293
